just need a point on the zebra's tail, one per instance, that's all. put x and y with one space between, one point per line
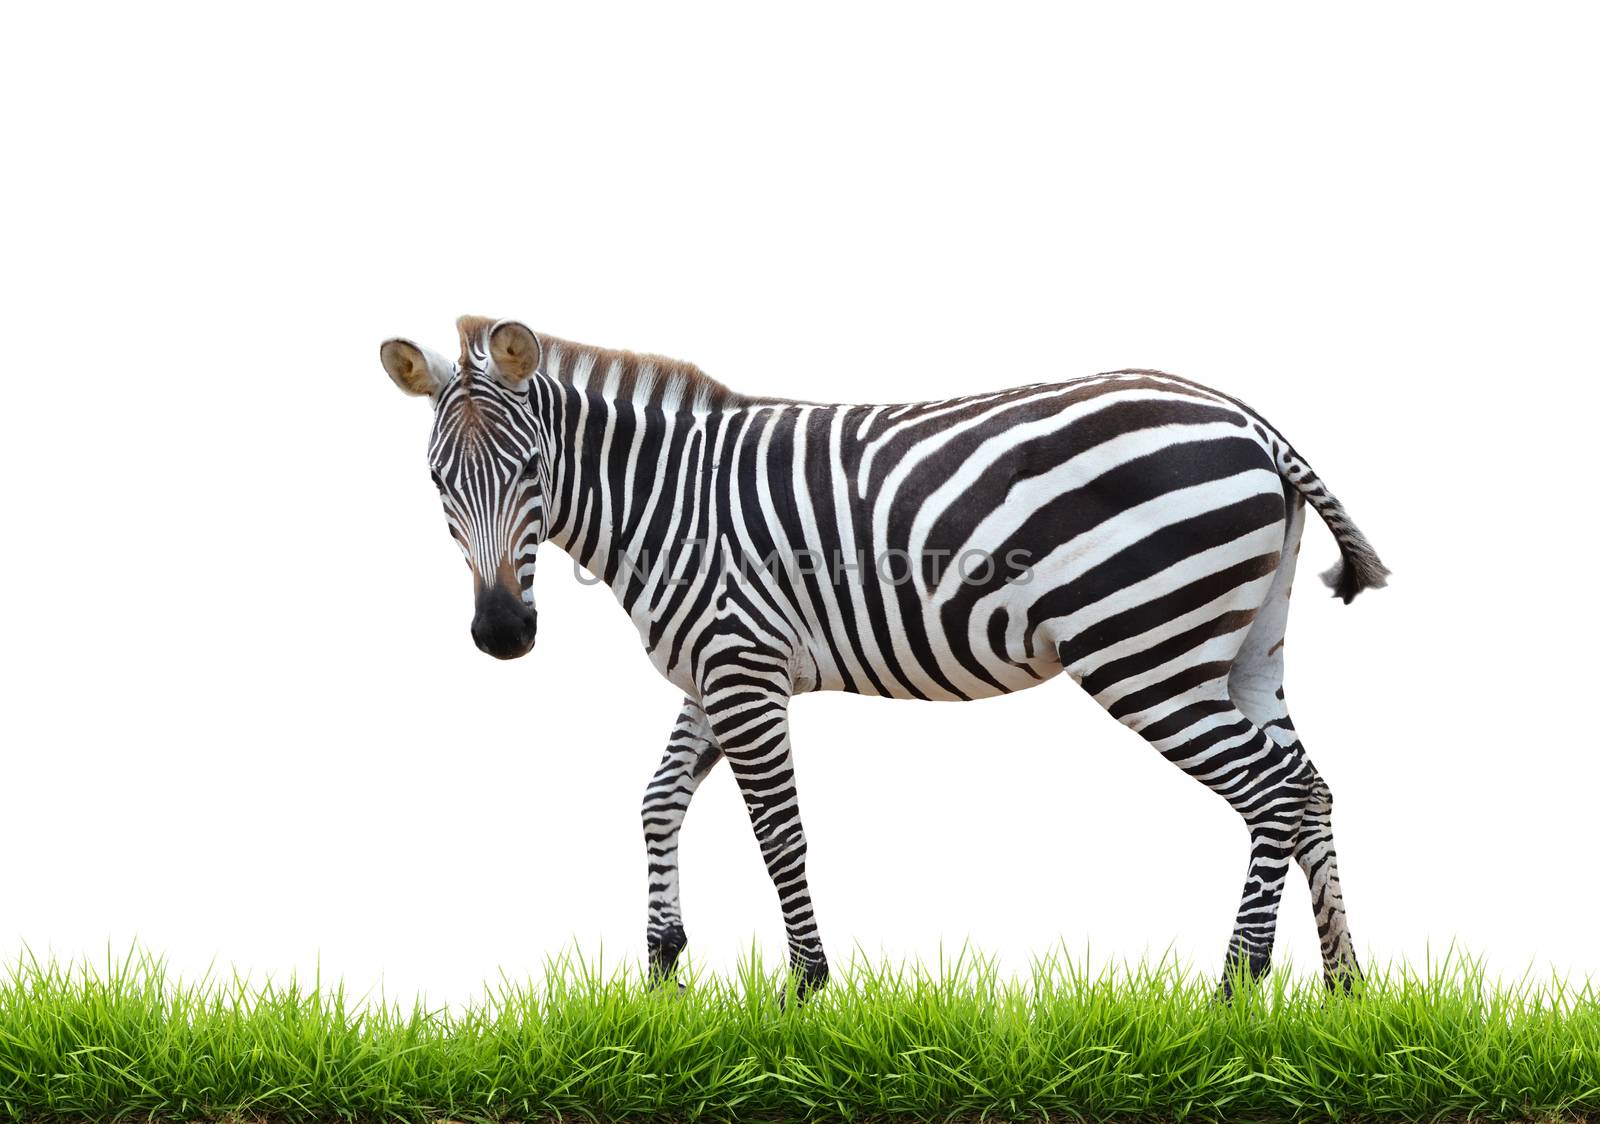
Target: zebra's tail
1359 566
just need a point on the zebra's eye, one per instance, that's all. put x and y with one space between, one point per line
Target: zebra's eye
531 469
437 482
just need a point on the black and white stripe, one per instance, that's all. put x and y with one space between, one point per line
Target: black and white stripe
1137 530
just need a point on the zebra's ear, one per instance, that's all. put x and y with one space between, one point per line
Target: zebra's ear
514 352
415 370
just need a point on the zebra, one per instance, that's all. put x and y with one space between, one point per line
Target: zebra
1134 529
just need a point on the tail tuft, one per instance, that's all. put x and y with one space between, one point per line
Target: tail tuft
1358 569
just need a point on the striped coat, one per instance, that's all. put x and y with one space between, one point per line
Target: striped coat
1133 529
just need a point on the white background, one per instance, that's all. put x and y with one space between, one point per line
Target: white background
243 718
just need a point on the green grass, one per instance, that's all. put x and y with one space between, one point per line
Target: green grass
127 1041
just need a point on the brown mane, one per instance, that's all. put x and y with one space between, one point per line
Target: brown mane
642 379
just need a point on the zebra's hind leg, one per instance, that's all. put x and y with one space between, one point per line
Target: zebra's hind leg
1256 687
1314 852
1313 844
1172 688
1269 785
691 754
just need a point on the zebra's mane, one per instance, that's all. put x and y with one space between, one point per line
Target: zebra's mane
644 380
624 376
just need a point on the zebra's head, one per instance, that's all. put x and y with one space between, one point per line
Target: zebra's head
488 460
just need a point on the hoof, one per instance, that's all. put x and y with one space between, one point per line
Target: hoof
1344 980
665 948
807 978
1254 965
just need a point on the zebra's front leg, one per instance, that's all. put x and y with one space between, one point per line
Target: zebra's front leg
750 720
691 754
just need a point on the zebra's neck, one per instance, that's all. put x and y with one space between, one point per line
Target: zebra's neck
630 439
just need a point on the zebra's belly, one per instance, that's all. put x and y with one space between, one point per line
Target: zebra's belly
928 689
933 649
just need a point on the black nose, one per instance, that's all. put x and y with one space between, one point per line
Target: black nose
503 626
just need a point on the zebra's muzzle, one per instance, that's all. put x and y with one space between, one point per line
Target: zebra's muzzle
503 626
